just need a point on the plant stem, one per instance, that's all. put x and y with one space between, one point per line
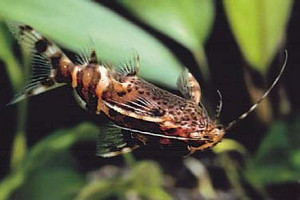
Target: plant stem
16 76
231 170
129 160
10 183
19 147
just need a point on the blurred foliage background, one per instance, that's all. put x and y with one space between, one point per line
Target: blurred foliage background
236 46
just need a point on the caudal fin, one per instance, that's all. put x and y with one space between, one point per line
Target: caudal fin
46 59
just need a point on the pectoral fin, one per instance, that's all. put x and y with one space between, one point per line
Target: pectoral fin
113 141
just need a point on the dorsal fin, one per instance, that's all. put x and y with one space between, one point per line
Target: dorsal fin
85 58
93 58
189 86
131 67
87 54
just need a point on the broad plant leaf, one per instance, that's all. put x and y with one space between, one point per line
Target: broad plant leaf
56 179
134 182
227 145
278 157
7 56
43 151
187 22
74 24
259 27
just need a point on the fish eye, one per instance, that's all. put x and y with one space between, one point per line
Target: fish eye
219 131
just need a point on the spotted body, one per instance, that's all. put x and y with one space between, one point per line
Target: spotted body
131 103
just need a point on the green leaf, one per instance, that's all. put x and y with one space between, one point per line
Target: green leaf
53 180
134 182
16 76
188 22
229 145
42 152
259 27
275 142
72 24
295 159
13 68
59 141
278 157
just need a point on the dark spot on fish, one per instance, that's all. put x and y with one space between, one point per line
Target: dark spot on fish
184 123
147 93
79 87
141 92
196 143
194 123
93 58
55 60
48 82
187 116
165 141
25 28
176 119
112 113
129 90
183 119
165 103
171 131
157 112
205 137
106 95
29 93
42 45
120 94
93 98
128 120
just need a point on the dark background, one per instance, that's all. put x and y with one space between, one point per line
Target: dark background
58 109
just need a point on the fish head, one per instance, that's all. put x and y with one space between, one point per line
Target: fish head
205 139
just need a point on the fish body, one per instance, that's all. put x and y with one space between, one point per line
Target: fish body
131 103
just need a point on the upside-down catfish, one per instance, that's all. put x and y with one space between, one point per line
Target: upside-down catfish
130 103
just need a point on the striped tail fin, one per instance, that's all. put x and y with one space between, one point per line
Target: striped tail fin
47 60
